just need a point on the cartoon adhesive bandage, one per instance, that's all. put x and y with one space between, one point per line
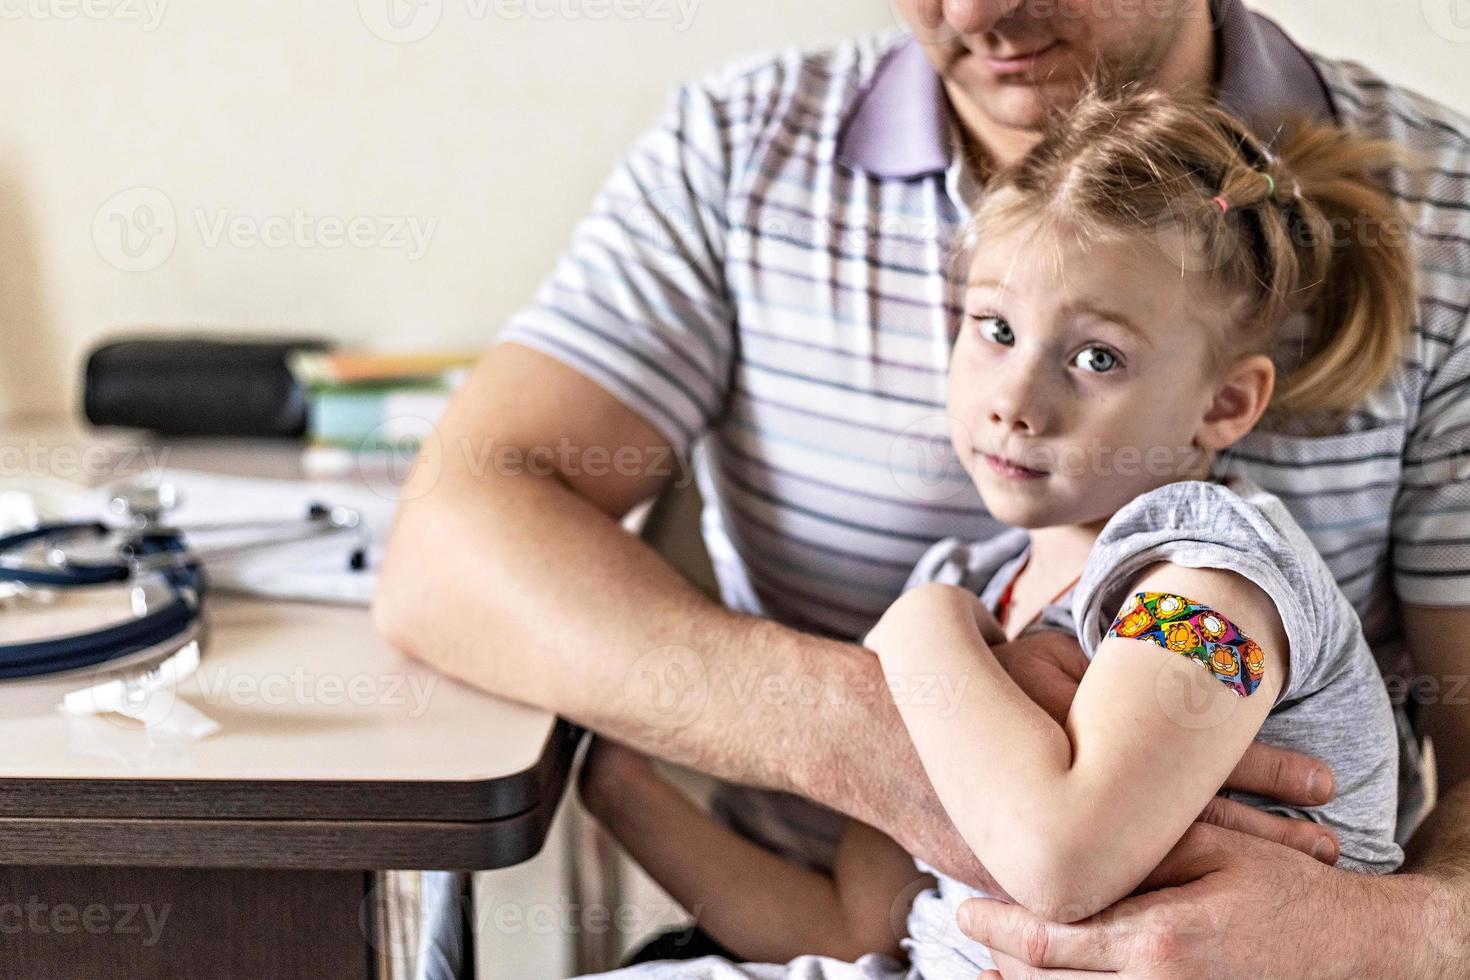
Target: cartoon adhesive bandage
1195 631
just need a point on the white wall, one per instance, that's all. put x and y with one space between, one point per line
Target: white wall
490 133
494 130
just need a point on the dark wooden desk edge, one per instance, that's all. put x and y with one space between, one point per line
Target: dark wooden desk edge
296 844
480 800
356 843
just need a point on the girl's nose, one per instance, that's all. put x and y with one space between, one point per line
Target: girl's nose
1018 402
1013 420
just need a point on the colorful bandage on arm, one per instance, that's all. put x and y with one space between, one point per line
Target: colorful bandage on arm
1196 631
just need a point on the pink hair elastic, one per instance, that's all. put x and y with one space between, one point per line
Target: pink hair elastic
1224 204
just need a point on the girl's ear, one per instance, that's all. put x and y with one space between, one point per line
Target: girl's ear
1241 397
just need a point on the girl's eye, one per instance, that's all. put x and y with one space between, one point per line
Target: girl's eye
996 330
1099 360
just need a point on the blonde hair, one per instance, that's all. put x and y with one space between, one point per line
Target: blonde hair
1304 227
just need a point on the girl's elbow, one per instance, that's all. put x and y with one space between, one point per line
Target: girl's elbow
1060 884
869 933
1049 896
1064 905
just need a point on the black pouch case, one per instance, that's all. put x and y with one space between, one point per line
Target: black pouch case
196 386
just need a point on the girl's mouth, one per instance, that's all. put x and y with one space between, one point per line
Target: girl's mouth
1013 470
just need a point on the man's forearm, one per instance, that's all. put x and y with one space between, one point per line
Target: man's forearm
1439 854
522 588
1441 846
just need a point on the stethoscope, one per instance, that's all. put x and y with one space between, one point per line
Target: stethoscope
141 551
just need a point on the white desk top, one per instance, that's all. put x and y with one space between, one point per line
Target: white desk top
302 692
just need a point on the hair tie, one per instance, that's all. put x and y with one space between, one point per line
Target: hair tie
1270 184
1224 204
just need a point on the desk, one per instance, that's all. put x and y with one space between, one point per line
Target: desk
258 851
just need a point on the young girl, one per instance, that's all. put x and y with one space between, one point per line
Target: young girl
1135 287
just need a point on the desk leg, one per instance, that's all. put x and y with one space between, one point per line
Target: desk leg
594 881
424 925
62 923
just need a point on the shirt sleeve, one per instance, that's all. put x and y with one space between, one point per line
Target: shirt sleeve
969 564
1431 515
943 562
637 302
1204 525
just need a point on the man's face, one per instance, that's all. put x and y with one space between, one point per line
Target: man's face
1011 58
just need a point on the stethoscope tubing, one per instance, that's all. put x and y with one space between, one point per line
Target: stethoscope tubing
80 650
75 573
152 549
99 646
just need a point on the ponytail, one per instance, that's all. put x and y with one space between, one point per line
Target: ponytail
1340 248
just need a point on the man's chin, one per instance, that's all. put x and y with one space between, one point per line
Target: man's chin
1014 105
1022 107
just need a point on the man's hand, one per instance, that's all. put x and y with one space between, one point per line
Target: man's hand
1220 896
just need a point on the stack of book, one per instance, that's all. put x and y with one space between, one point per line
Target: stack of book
370 408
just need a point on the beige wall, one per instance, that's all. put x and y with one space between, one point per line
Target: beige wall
1424 44
250 136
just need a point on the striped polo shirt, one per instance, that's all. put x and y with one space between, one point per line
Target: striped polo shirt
766 278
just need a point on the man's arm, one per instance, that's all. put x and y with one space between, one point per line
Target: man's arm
1439 643
507 568
1439 640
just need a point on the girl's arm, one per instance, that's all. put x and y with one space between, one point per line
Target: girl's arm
1071 818
754 903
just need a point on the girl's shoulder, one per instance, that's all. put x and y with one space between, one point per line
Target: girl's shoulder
1233 509
1235 526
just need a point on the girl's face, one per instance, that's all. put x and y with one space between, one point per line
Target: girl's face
1078 380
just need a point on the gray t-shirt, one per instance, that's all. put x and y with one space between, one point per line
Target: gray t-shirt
1334 705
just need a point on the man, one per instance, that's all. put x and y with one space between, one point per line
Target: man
764 281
